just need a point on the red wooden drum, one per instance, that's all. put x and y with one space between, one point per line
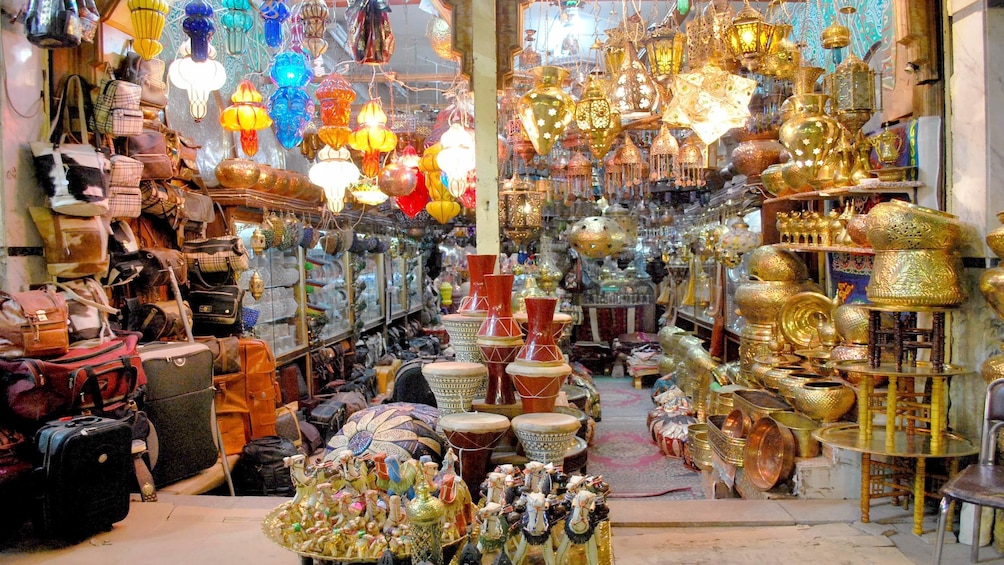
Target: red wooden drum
474 435
538 385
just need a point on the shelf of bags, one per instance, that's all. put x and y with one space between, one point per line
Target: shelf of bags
259 200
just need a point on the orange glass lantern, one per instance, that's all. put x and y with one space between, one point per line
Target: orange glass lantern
247 115
336 97
372 137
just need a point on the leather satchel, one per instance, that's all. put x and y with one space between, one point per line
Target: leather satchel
74 247
149 74
226 353
159 320
217 254
150 147
161 198
218 306
33 324
156 263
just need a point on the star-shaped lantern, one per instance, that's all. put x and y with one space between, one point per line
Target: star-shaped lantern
709 101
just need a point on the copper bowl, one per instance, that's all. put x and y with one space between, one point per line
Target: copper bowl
266 178
735 425
769 457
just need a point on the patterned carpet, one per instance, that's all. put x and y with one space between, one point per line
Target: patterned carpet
624 453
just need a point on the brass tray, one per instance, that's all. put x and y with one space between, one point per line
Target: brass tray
918 444
923 369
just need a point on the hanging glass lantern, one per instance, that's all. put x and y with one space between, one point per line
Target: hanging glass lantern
198 26
366 192
690 167
334 171
613 175
456 157
397 179
371 39
444 208
660 155
247 115
597 117
290 106
237 22
372 136
409 157
314 14
546 109
148 19
295 27
336 96
529 58
580 176
440 38
664 49
433 175
632 165
852 93
634 92
414 202
520 210
274 13
750 36
198 79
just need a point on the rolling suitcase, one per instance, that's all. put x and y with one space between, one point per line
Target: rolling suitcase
328 417
179 403
85 474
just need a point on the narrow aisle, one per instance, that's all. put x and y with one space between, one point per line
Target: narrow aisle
624 453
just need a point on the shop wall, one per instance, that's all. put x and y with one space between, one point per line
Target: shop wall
22 118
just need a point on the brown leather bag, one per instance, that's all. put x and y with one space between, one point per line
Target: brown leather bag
232 411
33 324
156 262
226 353
262 386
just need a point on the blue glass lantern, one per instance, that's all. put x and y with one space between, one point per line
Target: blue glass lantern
289 68
237 22
290 109
274 12
198 25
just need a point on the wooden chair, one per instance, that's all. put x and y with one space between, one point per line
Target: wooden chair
981 484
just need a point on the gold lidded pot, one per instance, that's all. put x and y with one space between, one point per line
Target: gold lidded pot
917 277
898 224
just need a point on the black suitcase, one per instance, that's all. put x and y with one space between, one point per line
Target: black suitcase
328 417
179 403
84 477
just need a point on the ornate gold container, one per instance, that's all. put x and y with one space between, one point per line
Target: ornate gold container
728 448
760 302
237 173
757 404
774 378
773 182
917 277
901 225
826 401
753 156
789 383
699 445
995 239
769 263
664 337
851 321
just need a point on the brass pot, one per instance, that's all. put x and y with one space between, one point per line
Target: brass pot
753 156
773 182
992 288
699 445
857 230
666 364
851 321
237 173
826 401
266 178
760 302
995 239
282 182
802 428
789 382
916 277
762 364
769 263
901 225
774 378
993 368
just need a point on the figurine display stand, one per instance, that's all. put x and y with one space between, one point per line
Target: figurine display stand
915 406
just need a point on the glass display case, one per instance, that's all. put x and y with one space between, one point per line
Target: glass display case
279 320
327 291
367 286
413 282
397 292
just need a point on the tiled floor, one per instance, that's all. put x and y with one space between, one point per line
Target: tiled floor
196 530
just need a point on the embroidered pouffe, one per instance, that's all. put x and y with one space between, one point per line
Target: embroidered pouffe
546 437
399 428
454 384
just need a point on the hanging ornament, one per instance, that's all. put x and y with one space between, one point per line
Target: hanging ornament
247 115
336 96
579 173
366 192
469 199
413 203
397 179
334 172
295 32
372 137
440 37
371 39
290 106
529 58
257 241
456 157
198 26
314 14
632 166
237 22
148 18
274 13
664 148
546 109
256 286
311 143
709 101
633 90
597 117
198 79
443 210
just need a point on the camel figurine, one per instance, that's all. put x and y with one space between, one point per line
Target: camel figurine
493 528
455 495
580 527
401 476
535 529
496 488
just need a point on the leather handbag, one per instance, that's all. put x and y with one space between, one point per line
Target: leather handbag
72 173
226 353
116 111
98 378
217 254
159 320
150 147
74 247
53 25
88 309
232 413
217 306
149 74
161 198
183 153
156 263
33 324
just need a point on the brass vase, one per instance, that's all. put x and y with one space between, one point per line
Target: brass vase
753 156
810 134
824 401
237 173
546 109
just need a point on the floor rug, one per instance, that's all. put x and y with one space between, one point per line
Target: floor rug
624 453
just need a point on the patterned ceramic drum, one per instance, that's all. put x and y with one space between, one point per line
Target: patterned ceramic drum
546 437
538 385
463 332
454 384
474 435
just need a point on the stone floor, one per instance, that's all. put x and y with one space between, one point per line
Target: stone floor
195 530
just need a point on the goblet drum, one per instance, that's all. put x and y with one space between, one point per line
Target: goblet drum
463 330
474 435
546 437
538 384
454 384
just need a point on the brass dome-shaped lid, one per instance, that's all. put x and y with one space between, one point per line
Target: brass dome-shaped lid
768 263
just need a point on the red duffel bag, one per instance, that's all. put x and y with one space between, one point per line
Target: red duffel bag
98 378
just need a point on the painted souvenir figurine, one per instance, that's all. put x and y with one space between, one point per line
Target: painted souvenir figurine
535 529
580 527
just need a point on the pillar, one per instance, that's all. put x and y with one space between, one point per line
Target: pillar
483 84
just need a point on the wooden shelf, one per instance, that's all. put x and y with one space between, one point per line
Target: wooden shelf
843 192
803 248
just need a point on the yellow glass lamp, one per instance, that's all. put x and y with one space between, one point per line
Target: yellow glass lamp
597 117
443 210
148 18
664 49
372 137
661 154
247 115
750 36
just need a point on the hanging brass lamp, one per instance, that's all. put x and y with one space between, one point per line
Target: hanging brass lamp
749 36
597 117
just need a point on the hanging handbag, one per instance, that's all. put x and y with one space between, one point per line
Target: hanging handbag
196 215
156 263
74 247
149 74
217 254
88 309
159 320
53 24
150 148
161 198
90 19
73 175
216 306
116 111
32 324
125 199
183 153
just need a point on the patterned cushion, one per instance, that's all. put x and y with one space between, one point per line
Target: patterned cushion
398 428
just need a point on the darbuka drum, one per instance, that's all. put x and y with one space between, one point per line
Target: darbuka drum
546 437
463 330
454 384
474 435
558 324
538 385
